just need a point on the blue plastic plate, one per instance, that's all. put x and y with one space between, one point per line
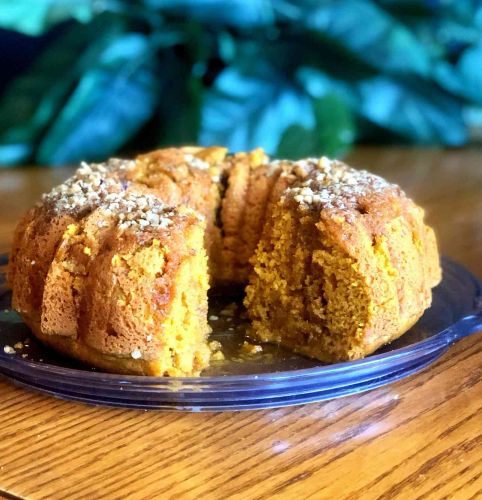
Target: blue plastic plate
273 377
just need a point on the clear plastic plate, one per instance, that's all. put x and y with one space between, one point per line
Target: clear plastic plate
273 377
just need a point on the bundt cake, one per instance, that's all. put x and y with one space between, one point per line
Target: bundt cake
113 266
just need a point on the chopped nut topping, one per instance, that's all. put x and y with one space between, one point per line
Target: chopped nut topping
195 162
216 353
136 354
251 348
331 184
102 186
217 356
141 211
88 186
229 310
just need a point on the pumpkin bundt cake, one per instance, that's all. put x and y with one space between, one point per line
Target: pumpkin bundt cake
113 266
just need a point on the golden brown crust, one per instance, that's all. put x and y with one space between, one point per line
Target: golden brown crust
187 176
93 357
32 259
262 179
232 213
109 292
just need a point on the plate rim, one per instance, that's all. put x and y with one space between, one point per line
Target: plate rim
435 342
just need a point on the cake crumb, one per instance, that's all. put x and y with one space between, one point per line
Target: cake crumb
18 345
213 317
251 348
136 354
116 260
214 345
229 310
8 349
217 354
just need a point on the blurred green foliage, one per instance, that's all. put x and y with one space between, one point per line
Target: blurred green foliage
297 77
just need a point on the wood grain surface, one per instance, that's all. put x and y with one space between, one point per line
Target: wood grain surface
417 438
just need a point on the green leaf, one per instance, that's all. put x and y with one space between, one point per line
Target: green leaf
335 126
180 107
462 9
443 35
369 32
317 83
34 17
33 99
297 142
332 136
235 13
470 70
251 105
465 78
413 109
111 102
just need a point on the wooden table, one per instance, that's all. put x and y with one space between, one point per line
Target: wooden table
420 437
